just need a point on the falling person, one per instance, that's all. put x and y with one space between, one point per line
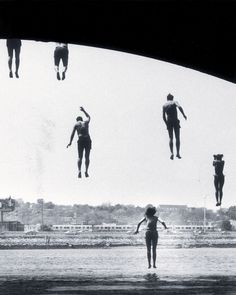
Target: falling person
219 177
171 120
84 141
13 45
61 53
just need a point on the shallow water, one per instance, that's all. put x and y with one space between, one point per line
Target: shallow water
117 263
122 271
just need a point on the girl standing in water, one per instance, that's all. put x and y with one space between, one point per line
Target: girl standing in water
151 235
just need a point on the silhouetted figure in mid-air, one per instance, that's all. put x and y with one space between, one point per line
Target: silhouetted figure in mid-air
219 177
61 52
151 235
84 141
13 45
171 120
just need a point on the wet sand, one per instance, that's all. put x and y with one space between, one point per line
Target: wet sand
151 284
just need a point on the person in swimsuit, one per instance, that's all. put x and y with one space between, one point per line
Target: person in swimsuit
84 141
151 235
219 177
61 52
171 120
13 45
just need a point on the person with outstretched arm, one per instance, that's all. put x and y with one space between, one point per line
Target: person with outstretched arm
172 122
151 235
84 141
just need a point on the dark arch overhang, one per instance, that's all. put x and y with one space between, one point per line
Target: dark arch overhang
192 33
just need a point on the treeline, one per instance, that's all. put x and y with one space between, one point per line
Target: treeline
50 213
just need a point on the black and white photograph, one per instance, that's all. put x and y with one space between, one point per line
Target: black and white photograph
117 154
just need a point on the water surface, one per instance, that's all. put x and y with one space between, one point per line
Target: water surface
122 270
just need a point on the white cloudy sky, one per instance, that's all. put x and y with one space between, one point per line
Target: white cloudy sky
124 95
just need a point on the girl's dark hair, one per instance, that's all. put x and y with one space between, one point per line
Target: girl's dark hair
150 211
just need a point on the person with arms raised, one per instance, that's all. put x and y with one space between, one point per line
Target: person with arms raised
84 141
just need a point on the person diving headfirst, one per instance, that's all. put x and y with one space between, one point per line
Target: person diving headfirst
84 141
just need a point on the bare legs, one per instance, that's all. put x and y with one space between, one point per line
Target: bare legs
10 66
87 161
149 256
177 142
61 54
17 57
177 138
154 252
63 73
151 243
79 165
154 255
17 61
171 143
219 183
57 72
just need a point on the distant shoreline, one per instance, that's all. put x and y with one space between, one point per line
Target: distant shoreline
110 240
49 247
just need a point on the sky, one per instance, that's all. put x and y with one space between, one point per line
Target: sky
124 95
